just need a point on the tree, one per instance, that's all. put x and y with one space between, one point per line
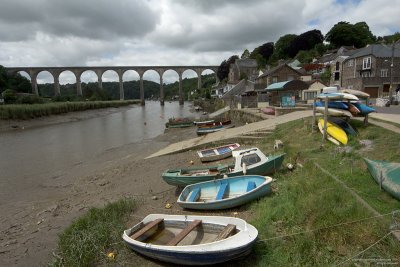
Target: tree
246 54
223 69
305 41
282 46
263 53
346 34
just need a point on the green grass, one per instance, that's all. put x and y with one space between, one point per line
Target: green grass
298 224
26 111
88 240
307 200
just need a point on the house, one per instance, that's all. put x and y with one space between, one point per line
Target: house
313 90
281 73
372 69
286 93
244 68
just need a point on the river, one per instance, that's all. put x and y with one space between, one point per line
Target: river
27 156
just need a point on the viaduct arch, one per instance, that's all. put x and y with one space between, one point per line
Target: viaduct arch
120 70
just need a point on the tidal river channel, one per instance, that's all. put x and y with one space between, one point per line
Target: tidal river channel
28 155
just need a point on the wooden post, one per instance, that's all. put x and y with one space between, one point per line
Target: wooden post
313 122
325 134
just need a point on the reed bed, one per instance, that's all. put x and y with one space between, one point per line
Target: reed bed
25 112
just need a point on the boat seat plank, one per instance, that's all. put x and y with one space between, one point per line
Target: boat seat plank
178 238
146 228
250 186
227 231
221 191
194 196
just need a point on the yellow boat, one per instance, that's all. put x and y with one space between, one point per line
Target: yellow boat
335 132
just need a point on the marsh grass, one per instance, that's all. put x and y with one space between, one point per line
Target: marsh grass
307 200
87 240
29 111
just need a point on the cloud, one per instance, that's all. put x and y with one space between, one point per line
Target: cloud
167 32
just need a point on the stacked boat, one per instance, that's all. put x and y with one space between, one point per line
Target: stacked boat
346 104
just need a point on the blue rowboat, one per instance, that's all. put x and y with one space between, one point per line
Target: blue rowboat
225 193
191 239
217 153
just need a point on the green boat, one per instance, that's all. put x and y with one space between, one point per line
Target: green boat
248 161
179 123
386 174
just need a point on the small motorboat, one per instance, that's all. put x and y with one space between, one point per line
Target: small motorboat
386 174
225 193
199 123
191 239
217 153
247 161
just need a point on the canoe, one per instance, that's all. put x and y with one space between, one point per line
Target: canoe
217 153
335 131
330 138
191 239
354 110
350 130
224 193
364 109
345 96
386 174
333 104
334 112
255 163
355 92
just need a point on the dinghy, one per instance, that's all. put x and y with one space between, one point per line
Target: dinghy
248 161
217 153
178 123
386 174
191 239
225 193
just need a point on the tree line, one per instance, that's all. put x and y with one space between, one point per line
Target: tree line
308 45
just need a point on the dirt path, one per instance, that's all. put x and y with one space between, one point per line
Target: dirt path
28 230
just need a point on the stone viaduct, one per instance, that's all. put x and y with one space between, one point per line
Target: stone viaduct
120 70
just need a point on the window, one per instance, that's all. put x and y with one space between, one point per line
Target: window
275 79
350 63
366 63
337 66
290 78
366 74
250 159
337 76
384 72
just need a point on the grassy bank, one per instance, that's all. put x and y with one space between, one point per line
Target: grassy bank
26 111
310 220
90 238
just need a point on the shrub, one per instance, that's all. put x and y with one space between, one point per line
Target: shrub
9 96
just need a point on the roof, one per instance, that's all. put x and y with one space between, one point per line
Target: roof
269 72
287 85
377 50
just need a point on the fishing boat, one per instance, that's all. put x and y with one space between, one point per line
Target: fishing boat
386 174
248 161
199 123
191 239
350 130
225 193
179 123
217 153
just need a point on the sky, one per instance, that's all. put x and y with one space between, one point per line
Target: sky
165 32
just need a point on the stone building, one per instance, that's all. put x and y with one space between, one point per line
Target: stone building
281 73
370 69
243 69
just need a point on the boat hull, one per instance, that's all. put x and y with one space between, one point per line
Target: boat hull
217 153
387 174
177 177
335 131
237 192
211 252
344 125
